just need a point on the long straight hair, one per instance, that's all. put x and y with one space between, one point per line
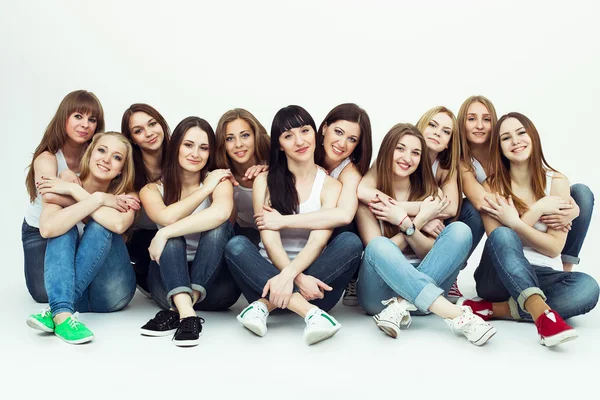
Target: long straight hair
500 180
122 183
361 156
172 170
281 183
422 182
142 175
55 136
261 137
462 121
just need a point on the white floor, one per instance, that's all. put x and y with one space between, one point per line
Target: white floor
232 362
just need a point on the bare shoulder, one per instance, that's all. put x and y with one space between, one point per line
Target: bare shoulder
332 183
45 158
350 172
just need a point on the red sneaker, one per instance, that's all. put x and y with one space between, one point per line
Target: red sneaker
553 329
454 293
480 307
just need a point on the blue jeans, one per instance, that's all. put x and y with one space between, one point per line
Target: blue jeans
34 248
470 216
385 272
137 246
91 274
206 273
504 274
584 198
335 266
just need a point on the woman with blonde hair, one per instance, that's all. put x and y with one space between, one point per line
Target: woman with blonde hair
86 266
519 276
404 269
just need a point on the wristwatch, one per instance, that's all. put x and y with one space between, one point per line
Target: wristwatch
409 231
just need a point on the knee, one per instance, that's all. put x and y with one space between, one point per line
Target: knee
237 246
502 236
174 245
222 232
93 226
584 197
461 234
587 289
378 246
351 242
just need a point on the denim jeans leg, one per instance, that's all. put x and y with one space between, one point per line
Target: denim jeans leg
208 260
336 266
156 286
251 233
221 294
137 246
174 269
34 250
584 198
470 216
249 269
371 289
59 271
113 286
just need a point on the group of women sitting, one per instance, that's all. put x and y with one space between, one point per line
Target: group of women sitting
298 218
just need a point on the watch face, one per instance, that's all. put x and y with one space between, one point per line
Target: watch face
410 231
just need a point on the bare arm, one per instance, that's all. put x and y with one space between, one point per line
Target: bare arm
474 191
450 190
55 220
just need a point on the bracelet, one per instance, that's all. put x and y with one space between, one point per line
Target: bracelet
406 216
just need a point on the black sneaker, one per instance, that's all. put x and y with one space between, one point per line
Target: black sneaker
189 331
164 323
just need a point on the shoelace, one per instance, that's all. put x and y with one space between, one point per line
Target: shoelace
44 311
73 322
188 325
399 316
351 288
163 316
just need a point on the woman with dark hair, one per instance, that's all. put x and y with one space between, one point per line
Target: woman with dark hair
191 207
295 268
149 134
519 276
243 148
403 269
343 149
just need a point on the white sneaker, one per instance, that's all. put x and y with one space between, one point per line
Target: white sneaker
350 299
475 329
254 317
394 316
319 326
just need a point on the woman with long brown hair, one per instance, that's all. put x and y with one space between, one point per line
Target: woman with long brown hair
520 276
149 134
403 269
191 207
86 266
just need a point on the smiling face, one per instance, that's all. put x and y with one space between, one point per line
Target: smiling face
146 132
340 139
240 141
194 150
80 127
438 132
407 155
478 124
515 142
298 144
108 158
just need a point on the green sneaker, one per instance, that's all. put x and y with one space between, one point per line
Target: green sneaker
72 331
42 321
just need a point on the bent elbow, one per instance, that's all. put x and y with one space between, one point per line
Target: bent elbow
46 232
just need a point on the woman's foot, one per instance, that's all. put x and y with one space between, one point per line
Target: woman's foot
73 331
189 331
164 323
42 321
254 318
553 330
475 329
319 326
394 316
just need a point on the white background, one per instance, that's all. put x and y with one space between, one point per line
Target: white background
395 59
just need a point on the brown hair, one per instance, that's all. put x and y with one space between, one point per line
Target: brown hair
261 137
123 183
422 182
55 136
500 180
142 175
361 156
462 120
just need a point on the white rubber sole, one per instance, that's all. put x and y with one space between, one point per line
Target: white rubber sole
146 332
257 328
559 338
316 336
35 324
485 337
187 343
78 341
388 328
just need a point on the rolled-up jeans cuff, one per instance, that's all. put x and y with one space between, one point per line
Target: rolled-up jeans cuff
569 259
527 293
427 296
62 309
514 309
199 288
177 290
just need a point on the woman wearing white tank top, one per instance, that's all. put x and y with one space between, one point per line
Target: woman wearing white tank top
343 149
191 207
243 148
86 266
518 282
393 280
295 268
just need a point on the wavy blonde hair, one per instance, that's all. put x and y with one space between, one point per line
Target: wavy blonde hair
123 183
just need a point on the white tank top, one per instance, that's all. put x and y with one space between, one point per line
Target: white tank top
34 210
191 239
294 240
338 170
535 257
480 174
243 204
434 168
